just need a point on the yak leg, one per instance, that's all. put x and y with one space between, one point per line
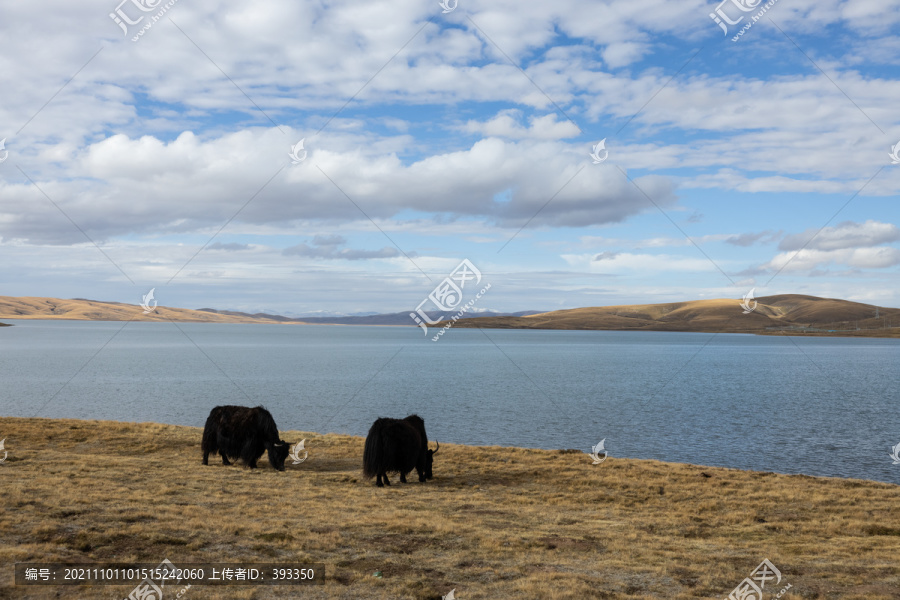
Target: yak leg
402 477
223 442
421 475
206 458
386 480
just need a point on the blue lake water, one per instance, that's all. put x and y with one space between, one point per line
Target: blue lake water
820 406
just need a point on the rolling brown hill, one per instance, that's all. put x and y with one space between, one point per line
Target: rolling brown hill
93 310
772 314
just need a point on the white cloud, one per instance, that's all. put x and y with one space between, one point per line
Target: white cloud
146 185
152 144
507 125
628 263
623 53
859 258
846 235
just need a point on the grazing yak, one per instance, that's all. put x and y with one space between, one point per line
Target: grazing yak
397 445
243 432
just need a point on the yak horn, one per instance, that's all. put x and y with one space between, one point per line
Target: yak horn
438 447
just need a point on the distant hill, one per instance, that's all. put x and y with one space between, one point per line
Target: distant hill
82 309
786 312
95 310
400 318
772 314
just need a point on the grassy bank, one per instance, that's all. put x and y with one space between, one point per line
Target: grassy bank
494 523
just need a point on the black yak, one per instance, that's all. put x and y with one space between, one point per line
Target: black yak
399 445
243 432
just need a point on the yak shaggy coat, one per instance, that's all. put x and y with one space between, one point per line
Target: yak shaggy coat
399 445
243 432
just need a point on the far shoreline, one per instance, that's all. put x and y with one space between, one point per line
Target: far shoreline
862 333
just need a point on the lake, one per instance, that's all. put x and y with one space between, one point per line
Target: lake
819 406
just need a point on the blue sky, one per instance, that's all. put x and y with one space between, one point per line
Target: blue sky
432 138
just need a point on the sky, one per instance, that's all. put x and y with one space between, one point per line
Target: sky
575 153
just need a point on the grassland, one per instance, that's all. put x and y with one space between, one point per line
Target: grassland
494 523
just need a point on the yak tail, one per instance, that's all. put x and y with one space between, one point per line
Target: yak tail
372 458
210 441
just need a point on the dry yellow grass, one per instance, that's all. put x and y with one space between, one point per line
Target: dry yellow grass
494 523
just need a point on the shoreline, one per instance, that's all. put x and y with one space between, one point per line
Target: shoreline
893 333
566 451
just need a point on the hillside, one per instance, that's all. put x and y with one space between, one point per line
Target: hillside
12 307
93 310
772 313
493 523
400 318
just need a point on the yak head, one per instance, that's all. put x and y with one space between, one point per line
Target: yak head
278 454
429 461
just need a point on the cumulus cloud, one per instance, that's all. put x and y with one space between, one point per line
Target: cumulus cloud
507 125
843 236
621 54
848 244
147 185
859 258
150 142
